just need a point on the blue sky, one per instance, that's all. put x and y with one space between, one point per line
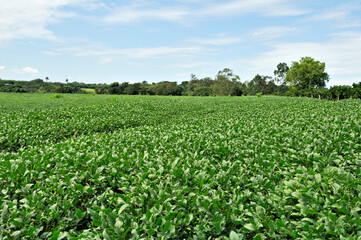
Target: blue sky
103 41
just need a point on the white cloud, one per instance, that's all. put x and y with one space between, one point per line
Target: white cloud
130 14
269 33
221 40
343 16
27 70
341 54
105 60
2 67
183 13
106 53
264 7
261 34
29 19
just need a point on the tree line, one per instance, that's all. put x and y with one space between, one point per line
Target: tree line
41 86
306 78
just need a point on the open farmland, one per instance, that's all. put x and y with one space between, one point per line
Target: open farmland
143 167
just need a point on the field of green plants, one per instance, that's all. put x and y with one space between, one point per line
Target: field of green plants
145 167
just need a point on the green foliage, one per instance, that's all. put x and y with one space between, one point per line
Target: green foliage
259 94
262 84
342 92
38 85
202 91
101 90
140 167
226 83
306 78
308 73
54 96
280 72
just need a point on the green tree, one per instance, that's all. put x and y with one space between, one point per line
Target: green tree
202 91
132 89
342 92
225 82
260 84
101 90
307 73
280 72
114 88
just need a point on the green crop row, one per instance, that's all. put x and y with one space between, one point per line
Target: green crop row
33 127
207 168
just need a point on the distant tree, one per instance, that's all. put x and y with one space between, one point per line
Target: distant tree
132 89
114 88
184 83
101 90
238 89
341 92
67 81
202 91
194 83
280 72
259 84
225 82
357 92
47 79
356 85
177 90
166 88
307 73
193 77
37 81
122 87
323 93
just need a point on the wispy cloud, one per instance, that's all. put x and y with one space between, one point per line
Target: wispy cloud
2 67
131 14
260 34
22 19
341 55
183 13
269 33
220 40
26 70
265 7
343 16
105 60
134 53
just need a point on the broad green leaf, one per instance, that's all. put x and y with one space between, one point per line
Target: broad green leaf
234 236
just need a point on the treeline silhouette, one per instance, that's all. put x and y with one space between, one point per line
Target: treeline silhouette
224 84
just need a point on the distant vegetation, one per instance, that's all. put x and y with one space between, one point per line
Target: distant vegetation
306 78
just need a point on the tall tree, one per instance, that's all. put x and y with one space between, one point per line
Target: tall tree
259 84
280 72
307 73
225 82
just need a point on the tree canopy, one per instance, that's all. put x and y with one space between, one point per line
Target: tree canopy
280 72
307 73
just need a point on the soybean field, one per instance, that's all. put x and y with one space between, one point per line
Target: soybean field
150 167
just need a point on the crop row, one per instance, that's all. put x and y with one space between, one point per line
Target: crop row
36 127
237 168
